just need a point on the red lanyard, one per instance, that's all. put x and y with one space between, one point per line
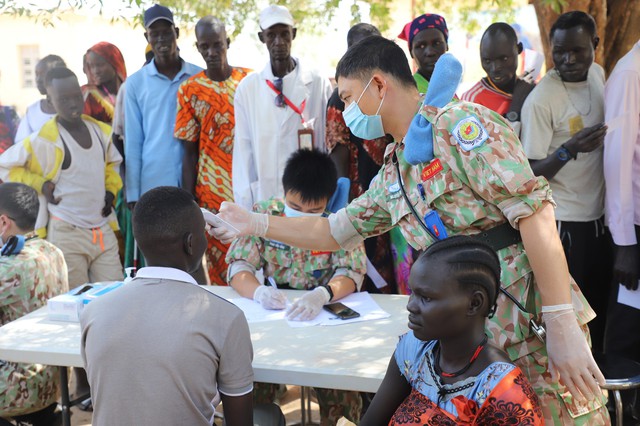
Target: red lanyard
287 101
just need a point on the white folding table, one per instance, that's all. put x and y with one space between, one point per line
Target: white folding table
349 357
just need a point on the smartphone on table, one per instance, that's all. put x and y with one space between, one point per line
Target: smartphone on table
341 311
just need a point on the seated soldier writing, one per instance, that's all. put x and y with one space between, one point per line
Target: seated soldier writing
443 371
309 181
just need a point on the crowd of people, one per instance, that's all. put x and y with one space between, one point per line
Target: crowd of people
501 211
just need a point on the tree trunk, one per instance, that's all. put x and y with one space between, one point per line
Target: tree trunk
623 30
617 21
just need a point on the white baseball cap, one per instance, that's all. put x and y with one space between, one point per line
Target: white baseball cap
275 14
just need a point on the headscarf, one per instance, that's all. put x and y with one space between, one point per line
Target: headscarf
422 22
112 55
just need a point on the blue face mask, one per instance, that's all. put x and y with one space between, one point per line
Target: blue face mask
364 126
289 212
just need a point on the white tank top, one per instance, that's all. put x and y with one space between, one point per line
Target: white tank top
81 187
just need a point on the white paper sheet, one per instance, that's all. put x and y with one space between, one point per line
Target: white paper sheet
629 297
362 303
254 312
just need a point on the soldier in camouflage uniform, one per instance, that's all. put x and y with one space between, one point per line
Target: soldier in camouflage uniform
309 180
27 279
477 180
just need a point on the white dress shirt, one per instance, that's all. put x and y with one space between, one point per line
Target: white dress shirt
622 149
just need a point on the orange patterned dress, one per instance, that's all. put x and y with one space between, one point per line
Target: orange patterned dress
205 116
499 396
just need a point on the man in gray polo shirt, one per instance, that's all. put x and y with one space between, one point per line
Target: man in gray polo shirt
162 350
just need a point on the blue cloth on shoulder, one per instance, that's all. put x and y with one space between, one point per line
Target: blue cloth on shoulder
418 141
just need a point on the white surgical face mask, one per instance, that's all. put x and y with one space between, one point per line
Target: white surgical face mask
289 212
364 126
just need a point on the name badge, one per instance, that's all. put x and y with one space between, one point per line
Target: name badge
394 190
305 138
277 245
575 125
431 170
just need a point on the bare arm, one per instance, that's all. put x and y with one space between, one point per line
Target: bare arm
189 166
245 283
586 140
393 390
238 410
570 359
545 253
310 233
118 142
341 286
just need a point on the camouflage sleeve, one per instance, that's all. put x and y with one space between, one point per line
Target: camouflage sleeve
352 264
496 169
245 254
366 216
11 274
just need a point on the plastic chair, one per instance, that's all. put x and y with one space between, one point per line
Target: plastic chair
620 374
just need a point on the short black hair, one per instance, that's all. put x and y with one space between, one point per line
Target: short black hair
473 264
58 73
162 217
210 21
375 53
575 18
19 202
501 28
310 173
361 31
51 59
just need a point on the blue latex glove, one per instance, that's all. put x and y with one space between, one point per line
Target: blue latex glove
418 142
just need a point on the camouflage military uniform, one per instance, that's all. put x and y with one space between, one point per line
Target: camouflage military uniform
27 280
304 270
479 178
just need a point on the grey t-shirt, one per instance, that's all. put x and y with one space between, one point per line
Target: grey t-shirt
158 351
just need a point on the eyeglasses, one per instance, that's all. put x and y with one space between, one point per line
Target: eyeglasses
280 96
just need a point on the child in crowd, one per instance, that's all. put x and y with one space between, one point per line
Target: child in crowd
309 181
444 368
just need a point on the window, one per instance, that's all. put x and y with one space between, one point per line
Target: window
28 59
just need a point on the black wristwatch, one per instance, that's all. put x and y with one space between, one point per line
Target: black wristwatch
563 154
512 116
328 288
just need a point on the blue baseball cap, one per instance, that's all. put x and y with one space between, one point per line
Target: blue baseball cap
156 13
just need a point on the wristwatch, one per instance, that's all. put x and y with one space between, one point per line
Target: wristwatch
563 154
328 288
512 116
